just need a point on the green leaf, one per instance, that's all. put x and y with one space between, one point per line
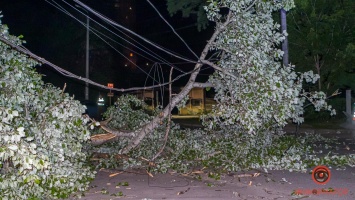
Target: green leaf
38 181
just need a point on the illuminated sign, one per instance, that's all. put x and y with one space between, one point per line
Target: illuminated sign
101 102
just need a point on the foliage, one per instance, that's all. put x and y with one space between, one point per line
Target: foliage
189 8
313 116
264 94
317 32
129 114
256 97
220 151
321 39
41 133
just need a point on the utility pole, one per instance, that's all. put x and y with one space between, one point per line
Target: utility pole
285 60
87 53
87 58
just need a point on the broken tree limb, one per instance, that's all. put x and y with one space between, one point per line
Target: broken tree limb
120 133
111 135
102 138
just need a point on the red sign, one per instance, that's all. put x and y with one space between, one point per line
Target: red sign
110 85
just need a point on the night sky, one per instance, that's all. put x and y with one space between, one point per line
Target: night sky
60 39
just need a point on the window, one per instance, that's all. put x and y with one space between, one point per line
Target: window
196 102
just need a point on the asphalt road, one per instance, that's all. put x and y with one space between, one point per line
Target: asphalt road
276 185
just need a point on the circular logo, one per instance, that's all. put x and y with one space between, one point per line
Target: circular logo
321 175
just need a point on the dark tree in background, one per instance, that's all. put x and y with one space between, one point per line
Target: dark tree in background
190 8
321 38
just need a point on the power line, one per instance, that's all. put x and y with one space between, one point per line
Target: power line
71 75
95 32
133 33
173 29
156 56
66 73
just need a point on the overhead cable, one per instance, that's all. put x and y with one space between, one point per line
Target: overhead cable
96 33
172 28
135 34
71 75
156 56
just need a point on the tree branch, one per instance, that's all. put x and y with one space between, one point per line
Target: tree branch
185 91
217 67
202 85
250 6
111 135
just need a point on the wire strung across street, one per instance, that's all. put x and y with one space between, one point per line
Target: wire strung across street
150 53
98 33
71 75
133 33
66 73
171 27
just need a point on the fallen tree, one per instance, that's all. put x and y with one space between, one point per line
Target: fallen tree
254 91
43 143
